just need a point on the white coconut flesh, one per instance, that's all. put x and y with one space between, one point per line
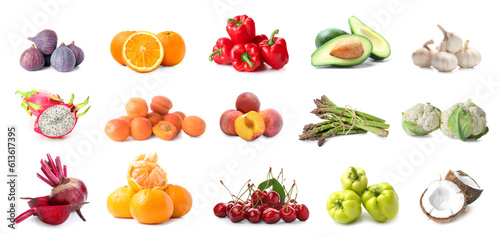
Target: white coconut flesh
443 199
467 180
56 121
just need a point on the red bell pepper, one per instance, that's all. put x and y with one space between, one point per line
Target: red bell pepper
245 57
259 38
222 51
241 29
274 51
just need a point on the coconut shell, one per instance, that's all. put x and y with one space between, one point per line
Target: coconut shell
471 194
443 220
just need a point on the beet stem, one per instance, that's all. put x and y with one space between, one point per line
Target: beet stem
65 171
49 174
48 177
59 168
53 166
23 216
80 214
44 179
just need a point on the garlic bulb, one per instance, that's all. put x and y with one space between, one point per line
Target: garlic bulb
453 41
468 57
444 61
423 56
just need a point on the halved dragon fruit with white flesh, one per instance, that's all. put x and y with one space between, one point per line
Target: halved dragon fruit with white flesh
55 118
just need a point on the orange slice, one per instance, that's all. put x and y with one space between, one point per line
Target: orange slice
142 52
145 173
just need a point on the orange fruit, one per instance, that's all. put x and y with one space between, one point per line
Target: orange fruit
173 46
117 45
119 200
144 172
151 206
142 52
181 198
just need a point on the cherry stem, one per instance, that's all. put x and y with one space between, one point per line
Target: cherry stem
227 190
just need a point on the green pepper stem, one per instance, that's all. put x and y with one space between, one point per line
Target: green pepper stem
245 57
354 174
236 22
338 203
376 192
213 53
271 39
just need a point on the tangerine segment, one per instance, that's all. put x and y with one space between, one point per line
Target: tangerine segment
142 52
145 173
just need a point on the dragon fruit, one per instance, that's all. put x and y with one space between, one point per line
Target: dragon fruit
55 118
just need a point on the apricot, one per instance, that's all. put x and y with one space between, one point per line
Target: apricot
227 121
140 128
154 118
273 121
193 126
175 119
161 104
247 102
117 130
165 130
250 126
180 113
126 118
136 107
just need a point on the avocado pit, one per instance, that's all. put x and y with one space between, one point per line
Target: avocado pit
348 48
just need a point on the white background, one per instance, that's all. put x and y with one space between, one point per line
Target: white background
199 87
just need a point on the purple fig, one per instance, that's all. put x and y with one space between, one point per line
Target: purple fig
32 59
47 60
63 59
78 53
45 41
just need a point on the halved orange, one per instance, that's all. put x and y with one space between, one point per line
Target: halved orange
142 52
144 172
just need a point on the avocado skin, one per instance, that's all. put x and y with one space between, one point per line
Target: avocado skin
322 57
328 34
352 20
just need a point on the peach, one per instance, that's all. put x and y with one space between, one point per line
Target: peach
273 121
250 126
117 130
180 113
165 130
136 107
154 118
126 118
175 119
247 102
140 128
194 126
160 104
227 121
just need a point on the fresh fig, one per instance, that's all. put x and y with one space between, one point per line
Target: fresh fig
45 41
32 59
63 59
47 59
78 53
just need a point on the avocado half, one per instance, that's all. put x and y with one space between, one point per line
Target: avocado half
322 57
381 48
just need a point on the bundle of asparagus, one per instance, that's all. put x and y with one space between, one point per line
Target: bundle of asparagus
341 121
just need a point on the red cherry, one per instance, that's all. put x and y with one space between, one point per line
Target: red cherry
230 205
271 216
288 214
253 215
262 208
247 207
302 212
220 209
273 198
236 213
241 203
258 197
293 205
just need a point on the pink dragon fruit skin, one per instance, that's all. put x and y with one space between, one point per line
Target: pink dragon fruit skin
55 118
36 101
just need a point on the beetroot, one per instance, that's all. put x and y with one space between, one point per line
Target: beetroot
55 118
68 194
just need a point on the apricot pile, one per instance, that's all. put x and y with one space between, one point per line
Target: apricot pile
141 124
248 121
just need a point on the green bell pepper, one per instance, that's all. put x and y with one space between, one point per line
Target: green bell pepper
344 206
381 201
354 179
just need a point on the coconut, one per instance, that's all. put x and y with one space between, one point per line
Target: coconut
467 184
443 201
